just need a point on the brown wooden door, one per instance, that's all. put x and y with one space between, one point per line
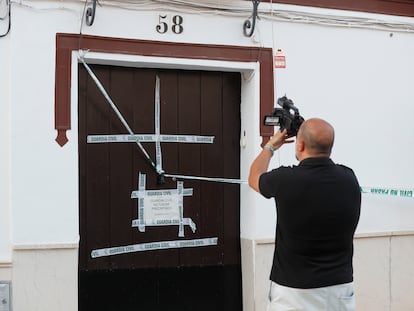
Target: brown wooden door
191 103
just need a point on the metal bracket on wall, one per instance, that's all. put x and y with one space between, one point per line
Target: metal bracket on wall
90 13
251 25
6 16
5 296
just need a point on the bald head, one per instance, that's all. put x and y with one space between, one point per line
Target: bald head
316 137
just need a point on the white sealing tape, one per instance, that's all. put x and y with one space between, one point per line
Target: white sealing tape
188 192
393 192
166 222
153 246
157 137
158 153
214 179
149 138
115 108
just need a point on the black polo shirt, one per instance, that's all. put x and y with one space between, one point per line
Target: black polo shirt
318 207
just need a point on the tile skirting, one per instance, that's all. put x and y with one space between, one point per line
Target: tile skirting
45 246
357 236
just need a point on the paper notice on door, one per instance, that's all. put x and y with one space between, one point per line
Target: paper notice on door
161 206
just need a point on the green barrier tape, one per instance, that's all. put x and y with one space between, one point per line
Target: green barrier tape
404 193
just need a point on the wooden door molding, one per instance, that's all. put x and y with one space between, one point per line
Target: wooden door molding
66 43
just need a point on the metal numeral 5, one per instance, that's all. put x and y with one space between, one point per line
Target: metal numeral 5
176 21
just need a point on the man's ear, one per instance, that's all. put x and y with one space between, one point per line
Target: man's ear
300 145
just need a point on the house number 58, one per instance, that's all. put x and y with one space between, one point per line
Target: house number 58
176 24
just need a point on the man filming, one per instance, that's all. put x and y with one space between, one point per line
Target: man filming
318 206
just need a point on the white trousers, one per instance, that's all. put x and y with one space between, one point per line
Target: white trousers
330 298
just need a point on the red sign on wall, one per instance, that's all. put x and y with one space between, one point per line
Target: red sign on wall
280 59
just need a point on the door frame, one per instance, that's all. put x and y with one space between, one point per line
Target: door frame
66 44
255 65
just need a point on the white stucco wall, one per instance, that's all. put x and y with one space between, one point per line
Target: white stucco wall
358 78
5 210
44 175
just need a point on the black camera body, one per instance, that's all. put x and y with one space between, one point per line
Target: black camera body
287 117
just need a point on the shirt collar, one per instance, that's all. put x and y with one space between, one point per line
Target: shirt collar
316 161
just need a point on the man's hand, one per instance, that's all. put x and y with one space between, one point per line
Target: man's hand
279 138
261 163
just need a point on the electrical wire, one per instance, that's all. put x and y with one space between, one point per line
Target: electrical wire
236 9
83 18
243 10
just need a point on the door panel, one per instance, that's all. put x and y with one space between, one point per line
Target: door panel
191 103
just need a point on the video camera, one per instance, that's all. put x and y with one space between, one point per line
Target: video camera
287 117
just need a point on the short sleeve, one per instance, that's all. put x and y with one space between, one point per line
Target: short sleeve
270 183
